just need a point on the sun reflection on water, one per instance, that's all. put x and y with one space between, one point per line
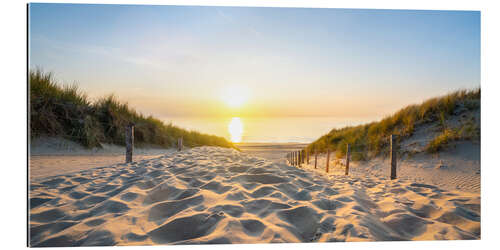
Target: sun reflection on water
235 129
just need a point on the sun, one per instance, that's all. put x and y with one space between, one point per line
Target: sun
235 128
235 96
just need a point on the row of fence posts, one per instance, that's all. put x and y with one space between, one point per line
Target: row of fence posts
129 142
297 158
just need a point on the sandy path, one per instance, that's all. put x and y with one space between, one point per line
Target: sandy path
51 156
271 151
215 195
49 165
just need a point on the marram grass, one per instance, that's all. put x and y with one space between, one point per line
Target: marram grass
65 111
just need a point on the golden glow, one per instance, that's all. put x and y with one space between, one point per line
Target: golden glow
235 96
235 129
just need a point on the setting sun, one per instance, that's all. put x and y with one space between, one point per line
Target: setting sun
235 129
235 96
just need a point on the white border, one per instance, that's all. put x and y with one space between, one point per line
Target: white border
13 104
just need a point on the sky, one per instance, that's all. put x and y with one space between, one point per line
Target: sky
193 61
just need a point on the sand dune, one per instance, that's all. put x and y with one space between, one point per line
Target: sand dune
216 195
458 168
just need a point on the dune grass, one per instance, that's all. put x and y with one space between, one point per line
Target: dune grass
372 139
467 131
64 110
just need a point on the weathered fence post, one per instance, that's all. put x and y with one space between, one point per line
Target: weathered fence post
347 157
303 156
296 158
301 152
129 142
307 156
300 158
327 160
393 157
179 144
315 158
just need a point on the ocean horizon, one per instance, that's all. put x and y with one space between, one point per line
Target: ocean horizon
287 129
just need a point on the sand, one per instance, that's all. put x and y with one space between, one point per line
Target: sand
216 195
458 168
51 156
270 151
49 165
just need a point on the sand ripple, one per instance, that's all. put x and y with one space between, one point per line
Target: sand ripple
215 195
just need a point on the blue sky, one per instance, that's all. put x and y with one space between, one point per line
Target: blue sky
175 60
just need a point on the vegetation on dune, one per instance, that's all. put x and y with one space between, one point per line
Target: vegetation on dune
372 139
66 111
467 131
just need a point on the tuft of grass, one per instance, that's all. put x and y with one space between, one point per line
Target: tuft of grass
372 139
64 110
470 130
467 131
442 140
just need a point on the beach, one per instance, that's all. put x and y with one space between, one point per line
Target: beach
51 156
220 195
171 125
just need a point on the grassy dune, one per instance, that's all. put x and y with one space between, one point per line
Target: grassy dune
371 139
64 110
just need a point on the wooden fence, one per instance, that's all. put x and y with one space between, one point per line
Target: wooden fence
296 158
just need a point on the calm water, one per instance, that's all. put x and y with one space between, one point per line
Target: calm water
264 129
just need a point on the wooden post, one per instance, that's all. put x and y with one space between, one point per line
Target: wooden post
347 157
129 142
300 158
179 144
303 151
295 158
307 156
315 159
327 160
393 157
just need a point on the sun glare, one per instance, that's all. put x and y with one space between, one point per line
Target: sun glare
235 129
235 96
